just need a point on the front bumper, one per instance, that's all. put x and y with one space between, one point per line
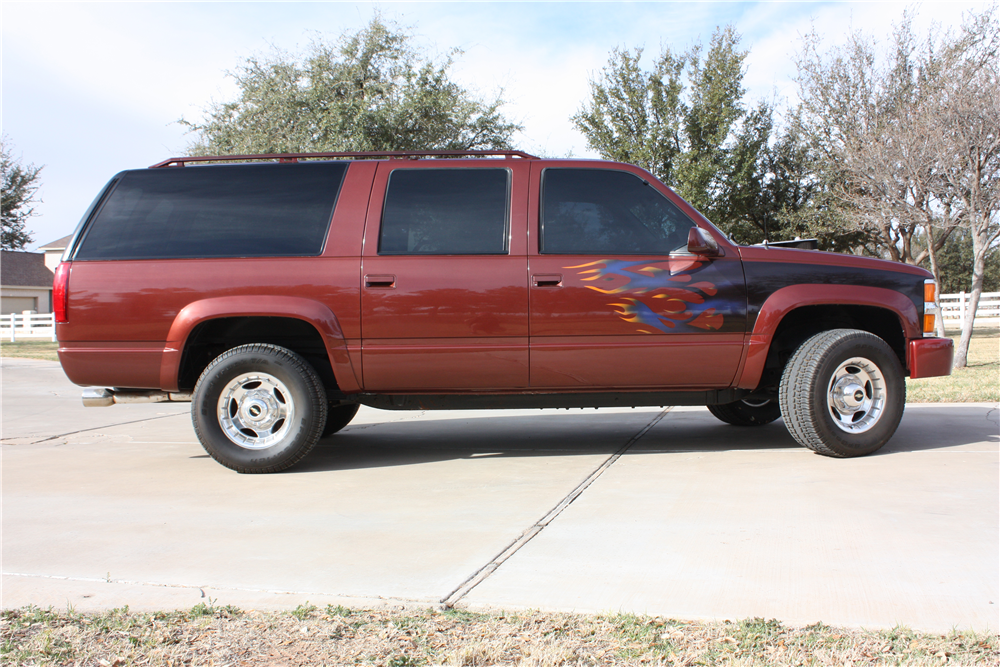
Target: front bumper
929 357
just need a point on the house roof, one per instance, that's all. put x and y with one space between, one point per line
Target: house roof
24 269
58 244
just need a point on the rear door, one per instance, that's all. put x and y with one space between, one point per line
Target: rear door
616 301
444 277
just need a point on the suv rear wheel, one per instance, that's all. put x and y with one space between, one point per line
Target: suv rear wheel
258 408
842 393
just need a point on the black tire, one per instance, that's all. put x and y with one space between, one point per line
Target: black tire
747 413
337 417
258 408
842 393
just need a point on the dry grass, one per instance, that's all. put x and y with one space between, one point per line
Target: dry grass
30 349
979 381
340 636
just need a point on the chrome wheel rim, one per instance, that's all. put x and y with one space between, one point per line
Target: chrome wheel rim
255 410
856 396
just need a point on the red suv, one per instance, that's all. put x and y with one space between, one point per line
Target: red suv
278 293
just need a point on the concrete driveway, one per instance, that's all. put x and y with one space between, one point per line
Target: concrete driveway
665 512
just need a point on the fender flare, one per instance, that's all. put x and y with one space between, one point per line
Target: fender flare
790 298
315 313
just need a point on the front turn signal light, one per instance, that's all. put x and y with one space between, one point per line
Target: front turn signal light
931 308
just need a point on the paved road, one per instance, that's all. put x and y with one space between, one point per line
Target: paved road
649 511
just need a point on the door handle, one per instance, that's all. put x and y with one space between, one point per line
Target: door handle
547 280
380 282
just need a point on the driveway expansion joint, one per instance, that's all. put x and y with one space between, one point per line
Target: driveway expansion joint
102 428
484 572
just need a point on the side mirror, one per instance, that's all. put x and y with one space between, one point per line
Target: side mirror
700 242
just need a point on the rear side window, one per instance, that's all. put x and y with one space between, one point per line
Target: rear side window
445 212
606 212
269 210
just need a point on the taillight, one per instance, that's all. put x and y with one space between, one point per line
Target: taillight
931 308
60 292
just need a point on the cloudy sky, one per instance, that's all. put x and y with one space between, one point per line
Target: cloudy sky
90 89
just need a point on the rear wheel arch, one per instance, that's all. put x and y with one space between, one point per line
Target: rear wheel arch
210 338
306 327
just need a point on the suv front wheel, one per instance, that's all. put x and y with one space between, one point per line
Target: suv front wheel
842 393
258 408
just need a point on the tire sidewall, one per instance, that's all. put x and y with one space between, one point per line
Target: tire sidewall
303 431
873 349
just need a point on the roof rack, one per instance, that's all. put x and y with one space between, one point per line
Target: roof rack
362 155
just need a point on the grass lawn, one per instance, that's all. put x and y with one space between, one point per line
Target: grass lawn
30 349
308 635
977 382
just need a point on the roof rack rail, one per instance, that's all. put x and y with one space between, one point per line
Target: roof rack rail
362 155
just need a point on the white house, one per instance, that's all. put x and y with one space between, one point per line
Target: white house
53 252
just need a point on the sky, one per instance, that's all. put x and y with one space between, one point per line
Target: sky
90 89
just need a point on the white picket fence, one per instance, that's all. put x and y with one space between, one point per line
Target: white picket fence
27 325
955 308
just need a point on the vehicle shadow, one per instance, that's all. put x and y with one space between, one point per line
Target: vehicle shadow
428 440
412 441
928 427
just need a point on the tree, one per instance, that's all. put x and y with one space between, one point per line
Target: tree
954 260
967 116
863 120
908 141
369 91
20 187
686 122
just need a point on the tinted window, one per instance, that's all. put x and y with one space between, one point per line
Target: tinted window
445 212
267 210
599 211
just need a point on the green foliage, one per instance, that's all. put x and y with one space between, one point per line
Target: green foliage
371 91
20 187
304 611
954 260
462 615
339 610
686 121
203 609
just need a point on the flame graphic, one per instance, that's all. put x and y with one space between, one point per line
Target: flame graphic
678 300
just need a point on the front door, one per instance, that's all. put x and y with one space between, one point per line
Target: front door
444 278
616 301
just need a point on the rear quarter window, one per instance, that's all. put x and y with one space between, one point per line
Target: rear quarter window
269 210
